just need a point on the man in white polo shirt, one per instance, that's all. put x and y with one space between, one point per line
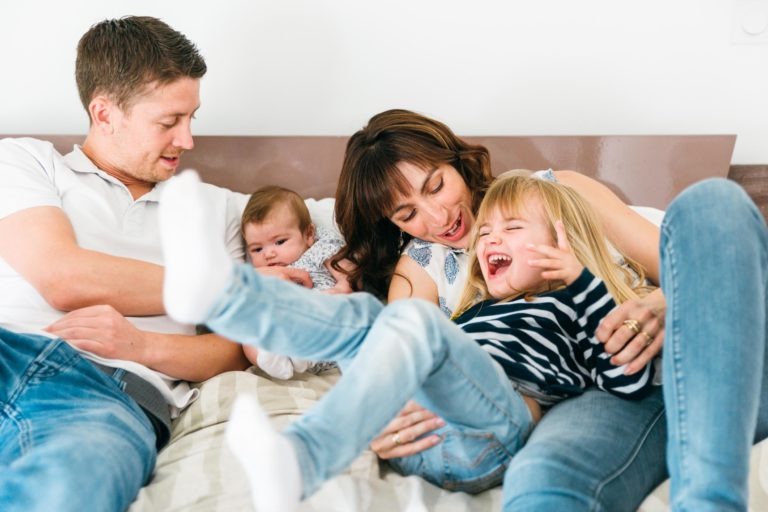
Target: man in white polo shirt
80 260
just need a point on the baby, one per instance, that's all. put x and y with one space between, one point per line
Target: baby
278 231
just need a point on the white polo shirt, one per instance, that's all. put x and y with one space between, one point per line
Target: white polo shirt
105 218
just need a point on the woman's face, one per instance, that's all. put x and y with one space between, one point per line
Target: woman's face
438 207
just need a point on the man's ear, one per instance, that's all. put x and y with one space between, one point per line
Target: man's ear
102 112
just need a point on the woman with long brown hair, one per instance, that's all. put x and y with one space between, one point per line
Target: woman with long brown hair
406 201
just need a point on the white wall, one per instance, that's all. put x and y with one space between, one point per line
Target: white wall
323 67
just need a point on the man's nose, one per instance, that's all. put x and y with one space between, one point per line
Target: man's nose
183 137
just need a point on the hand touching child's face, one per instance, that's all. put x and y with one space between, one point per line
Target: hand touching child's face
504 252
277 241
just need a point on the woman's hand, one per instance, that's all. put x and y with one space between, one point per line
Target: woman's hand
399 438
634 331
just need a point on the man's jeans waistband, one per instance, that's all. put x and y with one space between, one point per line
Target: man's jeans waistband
149 399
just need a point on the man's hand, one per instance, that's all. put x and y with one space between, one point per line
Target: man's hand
102 331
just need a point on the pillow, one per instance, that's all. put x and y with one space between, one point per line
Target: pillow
652 214
321 211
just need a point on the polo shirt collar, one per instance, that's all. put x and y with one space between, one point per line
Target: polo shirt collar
80 163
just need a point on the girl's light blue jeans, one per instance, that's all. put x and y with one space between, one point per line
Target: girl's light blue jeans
388 355
70 438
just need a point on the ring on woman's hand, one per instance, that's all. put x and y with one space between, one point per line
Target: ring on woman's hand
633 325
648 338
396 438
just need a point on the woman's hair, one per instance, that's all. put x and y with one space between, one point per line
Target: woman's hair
121 57
510 193
265 199
370 182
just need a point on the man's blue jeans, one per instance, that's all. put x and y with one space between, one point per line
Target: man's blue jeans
70 439
388 355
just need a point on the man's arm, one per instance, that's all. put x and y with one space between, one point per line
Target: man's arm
104 332
40 244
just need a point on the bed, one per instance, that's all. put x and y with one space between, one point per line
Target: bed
195 472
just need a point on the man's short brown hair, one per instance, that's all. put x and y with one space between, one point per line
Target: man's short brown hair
120 57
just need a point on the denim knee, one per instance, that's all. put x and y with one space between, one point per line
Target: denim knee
466 460
717 200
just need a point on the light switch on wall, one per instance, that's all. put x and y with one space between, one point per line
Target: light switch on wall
749 24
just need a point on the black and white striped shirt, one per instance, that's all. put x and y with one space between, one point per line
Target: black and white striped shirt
547 345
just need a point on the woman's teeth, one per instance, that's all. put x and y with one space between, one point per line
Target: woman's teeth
454 228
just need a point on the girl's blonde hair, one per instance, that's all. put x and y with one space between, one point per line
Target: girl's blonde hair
510 193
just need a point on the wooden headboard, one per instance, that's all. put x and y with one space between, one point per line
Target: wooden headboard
646 170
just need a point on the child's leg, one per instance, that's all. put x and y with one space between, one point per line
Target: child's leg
197 266
413 344
285 318
268 458
412 349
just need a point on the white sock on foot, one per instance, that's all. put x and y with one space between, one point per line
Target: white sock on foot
267 457
198 268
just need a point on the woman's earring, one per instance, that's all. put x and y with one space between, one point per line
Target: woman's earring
401 241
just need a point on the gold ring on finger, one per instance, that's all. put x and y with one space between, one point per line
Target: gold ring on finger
633 325
648 338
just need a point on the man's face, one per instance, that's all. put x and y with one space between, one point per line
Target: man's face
148 138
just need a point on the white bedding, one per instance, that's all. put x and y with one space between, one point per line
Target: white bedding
196 472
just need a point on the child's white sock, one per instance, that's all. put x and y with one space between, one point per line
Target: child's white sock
267 457
197 266
275 365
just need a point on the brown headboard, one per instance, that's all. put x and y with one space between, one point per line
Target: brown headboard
644 170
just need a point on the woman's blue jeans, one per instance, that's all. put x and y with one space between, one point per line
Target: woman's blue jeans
714 250
599 453
388 355
70 439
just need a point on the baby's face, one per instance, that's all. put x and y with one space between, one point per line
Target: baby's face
277 240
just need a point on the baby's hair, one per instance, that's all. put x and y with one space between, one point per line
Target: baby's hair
264 200
582 228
